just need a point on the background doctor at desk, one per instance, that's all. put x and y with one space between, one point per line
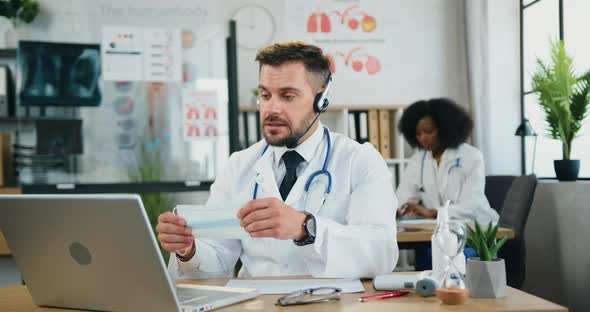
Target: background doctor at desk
293 231
444 167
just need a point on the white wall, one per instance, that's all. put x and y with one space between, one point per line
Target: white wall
500 147
431 57
429 54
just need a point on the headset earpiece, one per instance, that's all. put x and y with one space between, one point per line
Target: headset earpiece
321 102
320 106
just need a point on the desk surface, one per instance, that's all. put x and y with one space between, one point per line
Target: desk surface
4 251
417 233
17 298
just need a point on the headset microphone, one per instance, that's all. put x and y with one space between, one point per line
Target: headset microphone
320 105
294 141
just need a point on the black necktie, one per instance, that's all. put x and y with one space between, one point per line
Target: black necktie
292 159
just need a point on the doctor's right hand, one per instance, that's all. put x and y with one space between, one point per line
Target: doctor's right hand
175 236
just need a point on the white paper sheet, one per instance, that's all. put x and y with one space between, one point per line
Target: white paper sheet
273 287
213 222
416 221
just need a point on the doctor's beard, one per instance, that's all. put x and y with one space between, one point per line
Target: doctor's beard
293 133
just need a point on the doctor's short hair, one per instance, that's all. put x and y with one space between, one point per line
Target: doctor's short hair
453 122
316 63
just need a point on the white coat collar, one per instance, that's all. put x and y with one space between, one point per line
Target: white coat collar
315 150
265 176
310 150
450 155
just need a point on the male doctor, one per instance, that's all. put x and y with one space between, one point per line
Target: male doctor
339 228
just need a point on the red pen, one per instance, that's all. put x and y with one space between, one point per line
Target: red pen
384 296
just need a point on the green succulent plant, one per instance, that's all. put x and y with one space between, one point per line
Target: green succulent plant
19 10
484 241
563 95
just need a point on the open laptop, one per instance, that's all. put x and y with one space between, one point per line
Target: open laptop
97 252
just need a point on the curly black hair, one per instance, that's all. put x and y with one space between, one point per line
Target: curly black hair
453 122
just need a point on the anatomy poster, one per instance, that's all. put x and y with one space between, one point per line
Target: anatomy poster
200 114
354 36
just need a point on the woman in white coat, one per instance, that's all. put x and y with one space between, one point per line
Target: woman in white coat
444 167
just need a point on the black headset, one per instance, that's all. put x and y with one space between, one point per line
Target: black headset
321 102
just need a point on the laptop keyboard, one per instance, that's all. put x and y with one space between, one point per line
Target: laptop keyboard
185 295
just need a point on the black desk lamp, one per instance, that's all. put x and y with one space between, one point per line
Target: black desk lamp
525 129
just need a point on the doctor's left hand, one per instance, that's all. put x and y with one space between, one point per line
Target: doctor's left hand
271 217
413 209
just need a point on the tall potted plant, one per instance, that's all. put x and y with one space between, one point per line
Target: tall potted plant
564 96
147 167
485 275
16 11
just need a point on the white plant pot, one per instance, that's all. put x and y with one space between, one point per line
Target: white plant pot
10 38
486 279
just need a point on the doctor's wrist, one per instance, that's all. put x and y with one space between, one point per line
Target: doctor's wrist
187 254
301 233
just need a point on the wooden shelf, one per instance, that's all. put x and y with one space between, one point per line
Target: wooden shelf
337 108
7 53
395 161
10 190
29 121
13 121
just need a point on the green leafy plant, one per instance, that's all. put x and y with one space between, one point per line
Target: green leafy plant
148 168
19 10
563 95
484 242
255 92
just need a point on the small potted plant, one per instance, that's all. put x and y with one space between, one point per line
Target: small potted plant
565 97
16 11
255 93
485 275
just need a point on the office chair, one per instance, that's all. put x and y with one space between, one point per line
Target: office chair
514 214
496 190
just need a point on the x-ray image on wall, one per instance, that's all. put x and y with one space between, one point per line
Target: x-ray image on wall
59 74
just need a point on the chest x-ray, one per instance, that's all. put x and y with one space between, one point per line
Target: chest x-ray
59 74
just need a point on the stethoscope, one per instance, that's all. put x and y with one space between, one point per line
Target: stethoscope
323 171
456 164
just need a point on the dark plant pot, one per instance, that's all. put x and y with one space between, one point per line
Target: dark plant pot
567 169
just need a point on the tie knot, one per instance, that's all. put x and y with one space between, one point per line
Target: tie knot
292 159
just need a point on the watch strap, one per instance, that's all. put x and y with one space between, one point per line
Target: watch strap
309 237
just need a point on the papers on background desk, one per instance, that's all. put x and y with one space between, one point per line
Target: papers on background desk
213 222
273 287
415 221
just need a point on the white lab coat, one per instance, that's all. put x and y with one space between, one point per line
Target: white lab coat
356 231
460 178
